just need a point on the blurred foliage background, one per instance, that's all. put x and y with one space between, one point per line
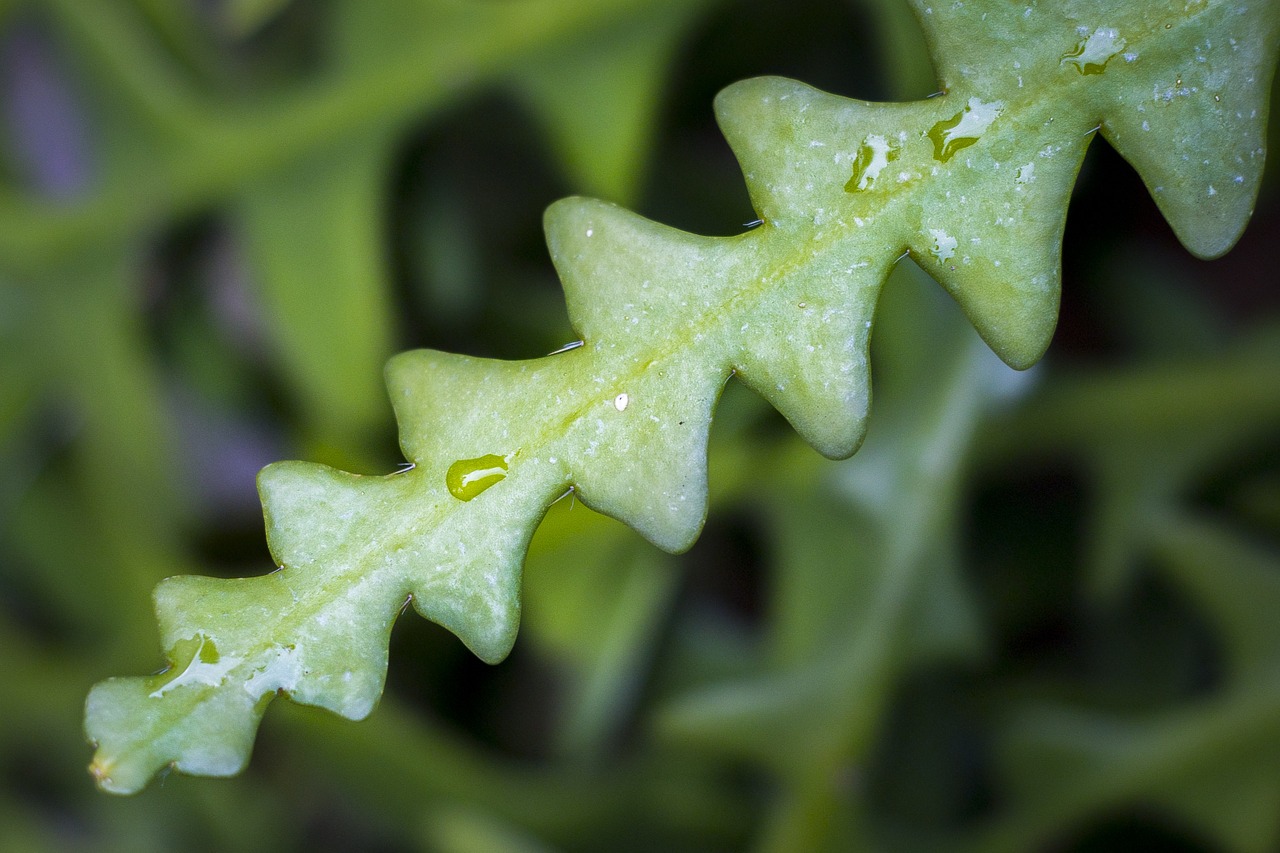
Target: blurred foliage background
1037 611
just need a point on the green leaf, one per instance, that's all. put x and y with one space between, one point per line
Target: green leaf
599 100
314 238
595 595
241 18
1203 765
840 646
1180 89
461 829
1238 584
1210 762
973 184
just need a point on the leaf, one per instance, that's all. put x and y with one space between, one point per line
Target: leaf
595 595
313 235
1188 110
1146 435
461 829
885 522
1212 766
189 156
241 18
1210 762
599 101
973 184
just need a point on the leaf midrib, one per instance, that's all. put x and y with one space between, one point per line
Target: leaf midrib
787 265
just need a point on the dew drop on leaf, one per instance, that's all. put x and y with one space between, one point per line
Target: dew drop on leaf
1092 54
874 154
194 660
964 128
468 478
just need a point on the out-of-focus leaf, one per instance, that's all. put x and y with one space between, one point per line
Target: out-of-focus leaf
1211 766
1238 584
666 318
851 620
242 18
464 830
594 597
1145 435
314 239
113 37
906 61
1211 763
599 99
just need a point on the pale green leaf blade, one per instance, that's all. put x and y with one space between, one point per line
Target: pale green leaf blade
982 213
1197 135
1181 89
844 188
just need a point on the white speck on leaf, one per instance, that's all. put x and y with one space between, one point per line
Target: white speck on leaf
944 245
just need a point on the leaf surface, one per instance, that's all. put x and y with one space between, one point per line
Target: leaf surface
973 184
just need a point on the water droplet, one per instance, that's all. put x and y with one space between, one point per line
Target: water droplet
964 128
873 155
194 660
1092 54
467 478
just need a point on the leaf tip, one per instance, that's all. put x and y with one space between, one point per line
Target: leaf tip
111 769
